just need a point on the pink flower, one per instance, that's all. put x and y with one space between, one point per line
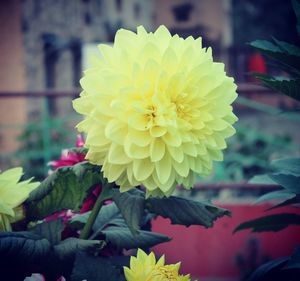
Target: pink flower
69 158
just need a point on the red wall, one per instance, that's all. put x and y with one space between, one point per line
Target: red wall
210 254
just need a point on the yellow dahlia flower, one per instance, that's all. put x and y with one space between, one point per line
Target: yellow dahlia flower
157 110
144 267
13 193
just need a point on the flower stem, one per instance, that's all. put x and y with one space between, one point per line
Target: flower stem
105 194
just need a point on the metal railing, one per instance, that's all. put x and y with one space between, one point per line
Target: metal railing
249 98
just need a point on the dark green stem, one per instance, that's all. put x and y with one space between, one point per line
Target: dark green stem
105 194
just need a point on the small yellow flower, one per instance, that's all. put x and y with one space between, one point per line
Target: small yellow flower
157 110
144 267
13 193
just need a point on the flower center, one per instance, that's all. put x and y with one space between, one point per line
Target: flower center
163 273
181 106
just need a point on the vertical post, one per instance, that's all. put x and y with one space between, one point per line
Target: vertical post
46 132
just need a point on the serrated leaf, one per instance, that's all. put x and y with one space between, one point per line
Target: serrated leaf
288 165
185 211
69 247
289 182
50 230
24 246
131 205
122 238
287 56
278 195
66 188
270 223
87 267
289 87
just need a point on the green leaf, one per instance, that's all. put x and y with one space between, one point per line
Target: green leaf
289 87
185 211
290 202
288 165
287 47
262 179
284 53
93 268
50 230
278 195
131 205
289 182
69 247
24 246
269 270
270 223
66 188
109 214
122 238
110 224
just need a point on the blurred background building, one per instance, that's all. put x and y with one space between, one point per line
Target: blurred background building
44 47
45 44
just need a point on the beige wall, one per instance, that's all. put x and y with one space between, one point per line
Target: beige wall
12 76
210 13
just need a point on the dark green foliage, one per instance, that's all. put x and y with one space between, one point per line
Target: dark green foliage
68 248
285 268
111 226
287 57
122 238
185 211
50 230
284 85
22 253
270 223
65 188
286 171
131 205
23 245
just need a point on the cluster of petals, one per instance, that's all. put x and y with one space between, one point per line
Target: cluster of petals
157 110
144 267
13 192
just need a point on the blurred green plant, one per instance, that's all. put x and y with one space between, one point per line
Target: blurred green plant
32 146
286 171
248 154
